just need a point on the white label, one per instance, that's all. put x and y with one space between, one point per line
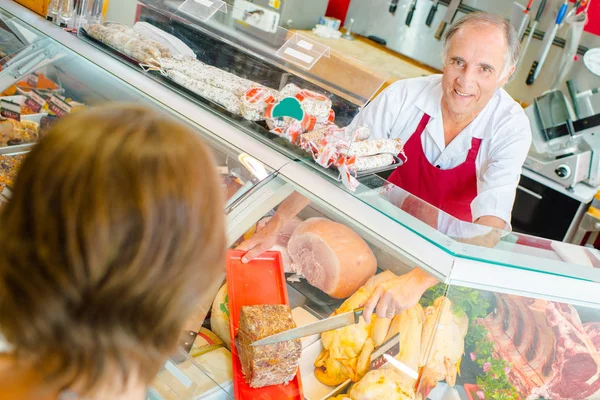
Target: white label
299 55
205 3
305 45
172 368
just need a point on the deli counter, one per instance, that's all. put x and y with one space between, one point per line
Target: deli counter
513 316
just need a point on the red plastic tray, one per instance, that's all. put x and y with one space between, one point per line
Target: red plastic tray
261 281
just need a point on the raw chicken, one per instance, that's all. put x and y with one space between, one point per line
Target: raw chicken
442 348
384 383
332 257
347 351
389 383
410 328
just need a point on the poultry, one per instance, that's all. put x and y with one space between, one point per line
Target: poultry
347 351
388 383
442 345
384 383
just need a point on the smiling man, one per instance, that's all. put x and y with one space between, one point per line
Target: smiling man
465 138
466 141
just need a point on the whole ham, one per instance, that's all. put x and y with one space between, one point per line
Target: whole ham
331 256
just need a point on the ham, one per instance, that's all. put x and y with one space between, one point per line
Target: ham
331 256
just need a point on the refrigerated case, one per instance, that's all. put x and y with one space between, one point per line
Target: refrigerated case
521 315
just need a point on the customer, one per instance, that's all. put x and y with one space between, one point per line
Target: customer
114 230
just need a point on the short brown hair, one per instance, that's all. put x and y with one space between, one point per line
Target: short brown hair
115 227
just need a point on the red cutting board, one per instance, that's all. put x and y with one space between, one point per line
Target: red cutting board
261 281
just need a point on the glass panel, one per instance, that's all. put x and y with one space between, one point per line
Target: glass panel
79 83
498 346
321 282
239 64
14 36
469 240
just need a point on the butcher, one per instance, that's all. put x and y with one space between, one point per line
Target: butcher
465 142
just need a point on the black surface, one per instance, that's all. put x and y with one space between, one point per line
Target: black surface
549 217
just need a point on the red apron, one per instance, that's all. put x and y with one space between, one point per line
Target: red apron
450 190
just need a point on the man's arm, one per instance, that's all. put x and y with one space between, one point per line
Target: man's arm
265 239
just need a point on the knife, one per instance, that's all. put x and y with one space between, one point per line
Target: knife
432 12
411 12
536 22
328 324
540 58
448 17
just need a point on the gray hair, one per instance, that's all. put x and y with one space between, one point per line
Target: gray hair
482 18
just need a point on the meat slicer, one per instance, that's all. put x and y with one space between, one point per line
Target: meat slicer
565 148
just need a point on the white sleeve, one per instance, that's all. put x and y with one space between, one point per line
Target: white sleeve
381 113
497 181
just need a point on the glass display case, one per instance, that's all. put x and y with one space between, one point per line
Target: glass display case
510 317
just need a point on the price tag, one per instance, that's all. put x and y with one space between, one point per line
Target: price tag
58 105
11 110
35 101
32 80
302 51
203 9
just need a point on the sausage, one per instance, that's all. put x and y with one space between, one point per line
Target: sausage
372 162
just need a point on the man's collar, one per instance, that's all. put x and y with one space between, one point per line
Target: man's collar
430 100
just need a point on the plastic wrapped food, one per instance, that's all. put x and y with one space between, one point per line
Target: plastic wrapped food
211 75
372 162
373 147
254 103
129 42
226 99
313 103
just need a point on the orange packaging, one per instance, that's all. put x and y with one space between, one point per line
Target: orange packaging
41 6
38 6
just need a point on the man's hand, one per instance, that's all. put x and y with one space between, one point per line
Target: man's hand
261 241
265 239
392 298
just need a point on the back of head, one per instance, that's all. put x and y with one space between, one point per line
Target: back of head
114 229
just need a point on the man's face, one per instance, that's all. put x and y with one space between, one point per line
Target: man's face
473 68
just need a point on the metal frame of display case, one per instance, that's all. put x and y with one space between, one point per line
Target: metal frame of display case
452 262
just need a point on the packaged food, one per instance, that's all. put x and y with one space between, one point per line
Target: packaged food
129 42
255 102
222 97
373 147
313 103
373 162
